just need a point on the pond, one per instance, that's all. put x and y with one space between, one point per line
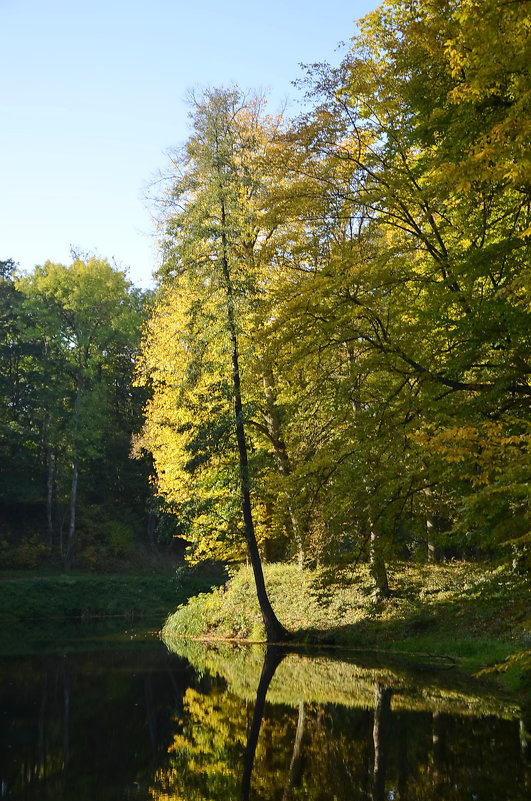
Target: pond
129 718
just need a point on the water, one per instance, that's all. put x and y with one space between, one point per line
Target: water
123 718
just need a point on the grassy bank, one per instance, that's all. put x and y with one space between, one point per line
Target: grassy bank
478 617
25 597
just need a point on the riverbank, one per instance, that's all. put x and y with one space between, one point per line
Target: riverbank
478 617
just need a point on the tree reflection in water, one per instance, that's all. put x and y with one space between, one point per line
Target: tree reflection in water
272 659
227 724
382 712
259 745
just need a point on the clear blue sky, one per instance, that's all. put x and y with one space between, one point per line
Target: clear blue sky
93 95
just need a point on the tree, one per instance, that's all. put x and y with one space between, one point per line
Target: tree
209 286
415 153
86 318
21 394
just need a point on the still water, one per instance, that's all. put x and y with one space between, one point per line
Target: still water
131 719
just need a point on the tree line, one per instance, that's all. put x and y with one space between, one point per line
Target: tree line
69 492
351 289
334 363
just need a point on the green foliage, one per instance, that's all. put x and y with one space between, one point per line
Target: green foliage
68 335
325 708
233 611
383 299
346 679
200 351
29 553
515 670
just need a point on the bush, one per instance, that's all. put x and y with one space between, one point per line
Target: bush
28 554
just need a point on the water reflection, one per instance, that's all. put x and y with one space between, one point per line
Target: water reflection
380 735
272 659
234 723
400 735
86 725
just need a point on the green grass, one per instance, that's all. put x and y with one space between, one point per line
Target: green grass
477 616
25 598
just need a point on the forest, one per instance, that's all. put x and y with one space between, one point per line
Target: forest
333 366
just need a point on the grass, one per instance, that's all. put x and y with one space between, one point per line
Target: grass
27 598
477 616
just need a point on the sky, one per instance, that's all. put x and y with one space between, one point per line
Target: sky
93 96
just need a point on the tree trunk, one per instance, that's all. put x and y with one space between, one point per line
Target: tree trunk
71 541
41 750
66 714
70 545
275 631
438 749
382 709
524 739
274 428
430 534
50 466
296 764
432 549
378 570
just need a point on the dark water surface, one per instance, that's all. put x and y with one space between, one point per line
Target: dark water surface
125 718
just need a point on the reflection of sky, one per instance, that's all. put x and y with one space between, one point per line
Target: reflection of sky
92 97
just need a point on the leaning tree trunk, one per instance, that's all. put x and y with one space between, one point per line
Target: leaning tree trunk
275 631
272 659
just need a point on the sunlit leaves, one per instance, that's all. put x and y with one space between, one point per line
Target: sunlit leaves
379 251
